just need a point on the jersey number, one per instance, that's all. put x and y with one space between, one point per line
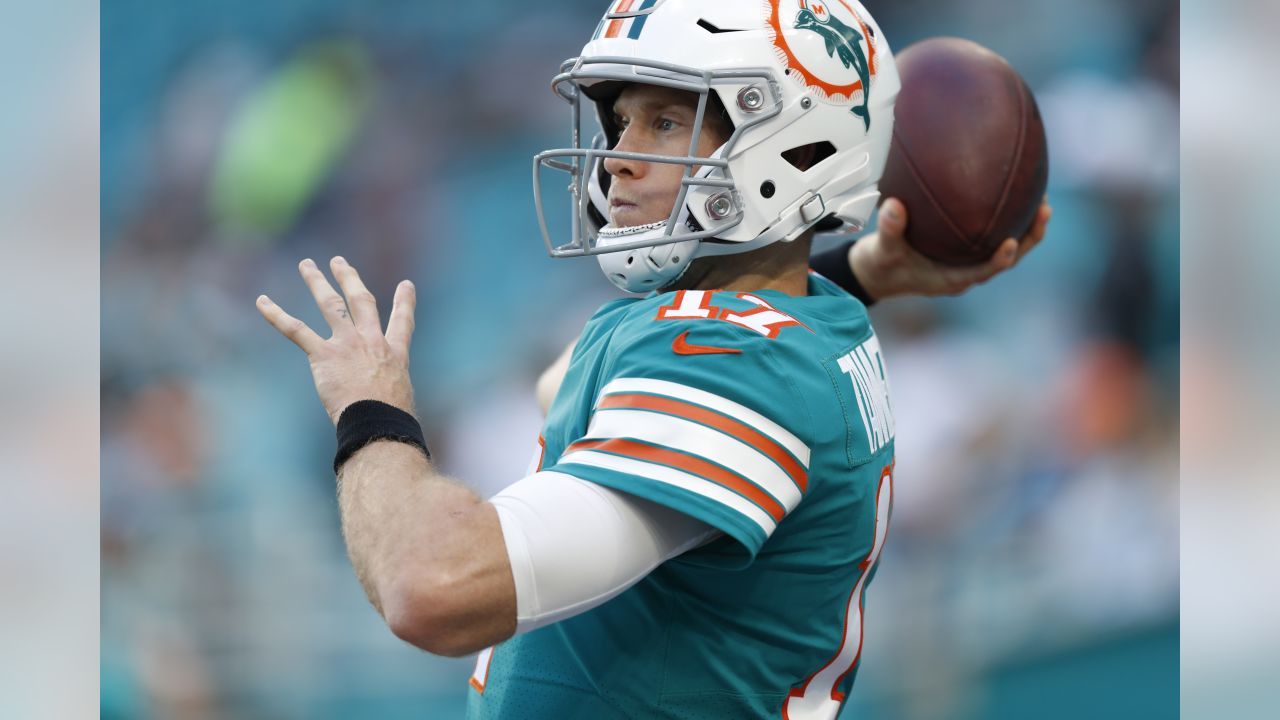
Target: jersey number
819 698
480 675
696 305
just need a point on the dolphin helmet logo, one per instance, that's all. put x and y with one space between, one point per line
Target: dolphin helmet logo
842 40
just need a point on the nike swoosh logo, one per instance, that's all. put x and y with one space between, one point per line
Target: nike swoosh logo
683 347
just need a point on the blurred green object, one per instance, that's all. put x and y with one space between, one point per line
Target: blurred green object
287 137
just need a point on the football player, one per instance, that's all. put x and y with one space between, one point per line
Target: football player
713 488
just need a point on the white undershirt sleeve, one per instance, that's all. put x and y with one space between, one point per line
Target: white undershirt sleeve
574 544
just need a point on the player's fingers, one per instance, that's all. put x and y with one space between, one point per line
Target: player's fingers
892 221
1005 256
332 306
1037 231
289 326
960 279
400 324
363 305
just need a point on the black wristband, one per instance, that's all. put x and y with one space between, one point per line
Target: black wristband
833 264
364 421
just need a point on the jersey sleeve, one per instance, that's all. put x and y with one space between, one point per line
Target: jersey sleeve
704 418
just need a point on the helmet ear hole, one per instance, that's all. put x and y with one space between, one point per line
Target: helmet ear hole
767 189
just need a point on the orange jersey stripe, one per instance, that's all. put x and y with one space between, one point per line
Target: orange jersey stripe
687 463
724 424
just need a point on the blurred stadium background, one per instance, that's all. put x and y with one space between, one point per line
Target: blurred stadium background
1032 567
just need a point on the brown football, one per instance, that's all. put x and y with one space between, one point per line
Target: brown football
968 157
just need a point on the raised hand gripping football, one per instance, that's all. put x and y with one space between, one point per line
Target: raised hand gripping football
359 361
888 266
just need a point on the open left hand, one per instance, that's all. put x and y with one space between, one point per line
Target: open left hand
358 362
887 266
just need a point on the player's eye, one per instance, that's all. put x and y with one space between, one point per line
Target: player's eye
665 125
621 122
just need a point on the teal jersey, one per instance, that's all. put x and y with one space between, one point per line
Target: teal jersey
766 416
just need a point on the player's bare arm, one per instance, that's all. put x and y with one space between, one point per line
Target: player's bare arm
428 552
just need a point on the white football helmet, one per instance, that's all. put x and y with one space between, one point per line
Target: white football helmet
789 73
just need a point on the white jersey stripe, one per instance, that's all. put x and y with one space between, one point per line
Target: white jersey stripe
720 404
676 478
696 439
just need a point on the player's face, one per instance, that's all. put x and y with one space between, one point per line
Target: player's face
658 121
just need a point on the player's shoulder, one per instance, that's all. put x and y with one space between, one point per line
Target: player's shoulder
605 321
733 345
763 337
614 311
702 324
768 321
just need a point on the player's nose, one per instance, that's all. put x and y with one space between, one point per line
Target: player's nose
626 167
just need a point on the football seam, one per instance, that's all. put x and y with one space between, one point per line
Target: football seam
1013 162
928 192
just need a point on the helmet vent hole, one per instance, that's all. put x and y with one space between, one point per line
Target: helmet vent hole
705 25
806 157
630 260
767 189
